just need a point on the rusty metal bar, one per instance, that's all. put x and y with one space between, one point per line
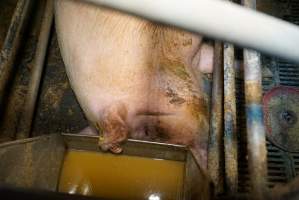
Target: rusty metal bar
215 152
40 54
12 43
230 121
257 152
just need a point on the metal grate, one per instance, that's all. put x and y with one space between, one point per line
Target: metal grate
293 12
288 73
243 173
278 171
295 163
282 166
278 161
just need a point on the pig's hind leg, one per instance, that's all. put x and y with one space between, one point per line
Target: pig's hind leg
113 127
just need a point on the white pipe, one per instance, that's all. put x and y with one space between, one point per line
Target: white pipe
220 20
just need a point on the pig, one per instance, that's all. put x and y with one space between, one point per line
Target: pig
135 78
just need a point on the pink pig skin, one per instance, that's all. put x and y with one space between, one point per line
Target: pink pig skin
135 78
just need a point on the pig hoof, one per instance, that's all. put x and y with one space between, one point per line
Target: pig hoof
116 149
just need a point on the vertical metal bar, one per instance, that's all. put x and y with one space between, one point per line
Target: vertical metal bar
230 121
40 54
215 153
12 43
257 153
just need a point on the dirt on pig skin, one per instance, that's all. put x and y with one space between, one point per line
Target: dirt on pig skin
134 78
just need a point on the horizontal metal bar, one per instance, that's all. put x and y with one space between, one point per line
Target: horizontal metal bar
20 193
220 20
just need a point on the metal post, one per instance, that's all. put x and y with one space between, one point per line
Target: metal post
40 54
215 153
12 43
257 153
230 121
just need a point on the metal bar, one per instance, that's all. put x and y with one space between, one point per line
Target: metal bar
215 152
221 20
257 153
256 147
40 54
230 120
21 193
12 43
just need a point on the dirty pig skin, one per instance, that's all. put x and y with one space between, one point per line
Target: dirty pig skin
134 78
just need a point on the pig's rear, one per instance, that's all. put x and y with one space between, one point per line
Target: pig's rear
133 77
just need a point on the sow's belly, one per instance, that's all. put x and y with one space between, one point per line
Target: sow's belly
135 78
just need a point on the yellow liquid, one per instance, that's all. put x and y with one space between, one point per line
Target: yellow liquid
121 177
